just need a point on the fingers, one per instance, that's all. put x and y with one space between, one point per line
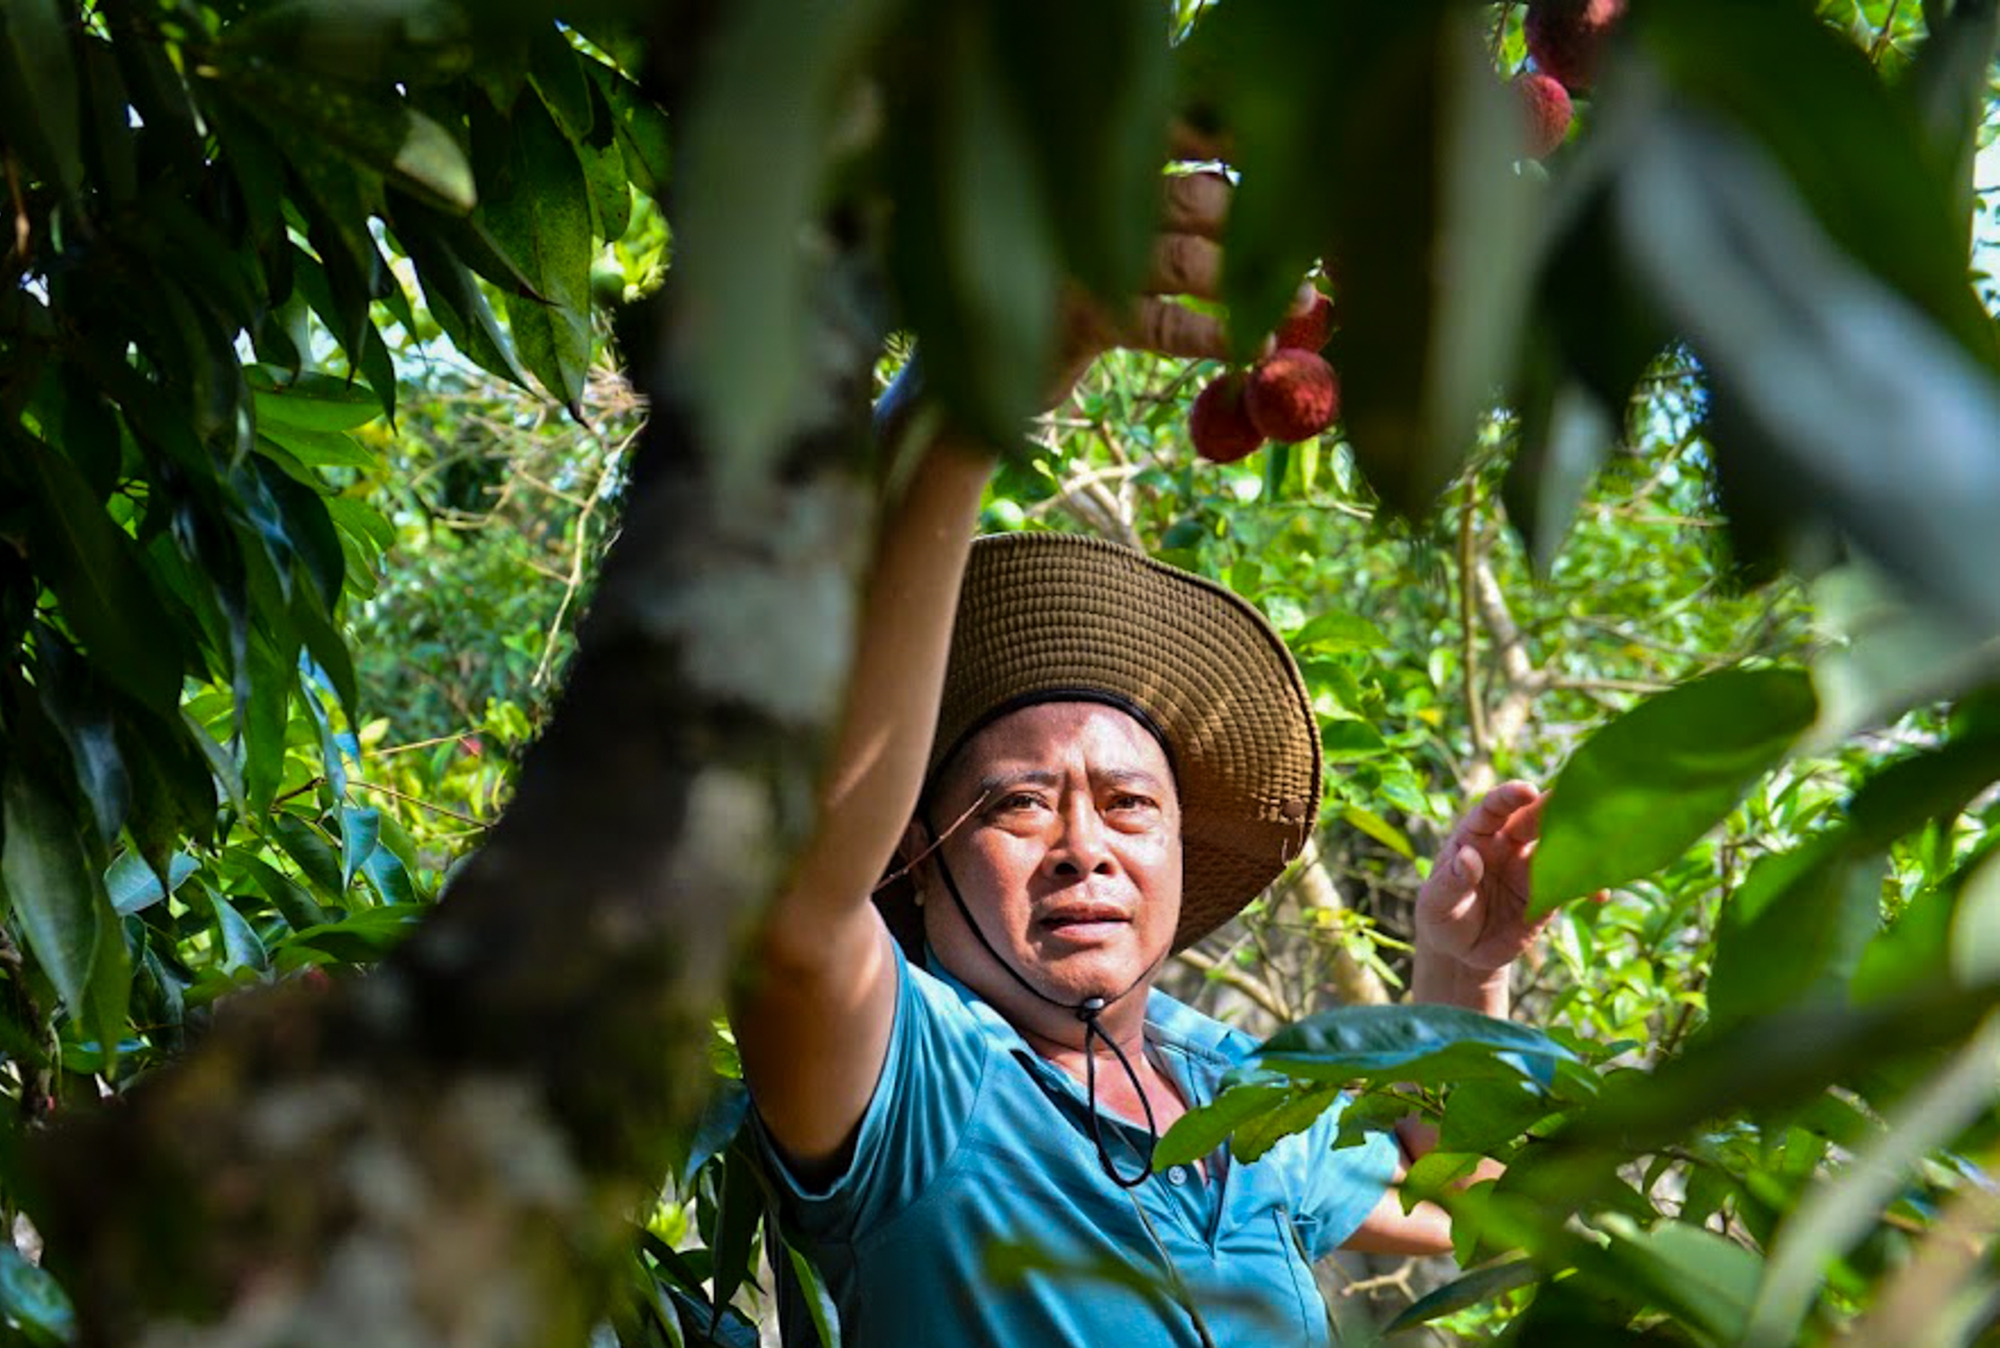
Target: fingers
1174 330
1185 264
1196 203
1500 807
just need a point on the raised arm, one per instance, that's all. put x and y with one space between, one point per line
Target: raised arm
813 1019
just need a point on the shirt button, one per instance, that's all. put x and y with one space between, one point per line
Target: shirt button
1177 1174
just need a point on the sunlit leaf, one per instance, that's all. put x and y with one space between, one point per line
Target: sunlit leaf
1643 788
1419 1044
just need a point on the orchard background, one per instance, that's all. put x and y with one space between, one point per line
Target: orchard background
1668 470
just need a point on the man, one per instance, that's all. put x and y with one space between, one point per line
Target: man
1094 764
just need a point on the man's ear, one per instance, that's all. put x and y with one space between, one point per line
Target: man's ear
916 841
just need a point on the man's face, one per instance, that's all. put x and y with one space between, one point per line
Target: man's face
1071 862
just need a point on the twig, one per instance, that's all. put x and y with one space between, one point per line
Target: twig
1232 977
1400 1280
1468 559
573 585
1882 33
394 794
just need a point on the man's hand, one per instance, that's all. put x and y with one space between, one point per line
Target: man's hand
1474 907
1187 262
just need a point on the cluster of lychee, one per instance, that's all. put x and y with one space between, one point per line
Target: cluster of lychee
1566 39
1290 395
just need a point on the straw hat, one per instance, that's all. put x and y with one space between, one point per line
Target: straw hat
1044 615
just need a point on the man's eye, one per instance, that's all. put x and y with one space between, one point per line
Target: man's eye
1131 802
1019 800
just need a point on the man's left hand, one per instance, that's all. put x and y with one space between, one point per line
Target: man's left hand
1473 910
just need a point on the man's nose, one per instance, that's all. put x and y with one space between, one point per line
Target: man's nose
1082 848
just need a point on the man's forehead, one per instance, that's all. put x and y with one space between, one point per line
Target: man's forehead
1042 739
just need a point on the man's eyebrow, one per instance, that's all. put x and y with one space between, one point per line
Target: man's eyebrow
1129 777
987 785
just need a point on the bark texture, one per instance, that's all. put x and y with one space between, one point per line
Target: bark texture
448 1151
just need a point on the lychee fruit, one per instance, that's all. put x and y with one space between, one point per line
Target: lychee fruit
1291 395
1566 37
1547 107
1310 330
1218 423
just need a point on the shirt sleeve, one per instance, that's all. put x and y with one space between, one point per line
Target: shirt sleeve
930 1080
1340 1186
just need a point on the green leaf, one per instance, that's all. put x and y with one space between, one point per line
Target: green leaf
739 1204
1378 828
642 133
1975 926
1257 71
565 90
33 1299
358 520
1336 632
305 845
1646 786
110 148
1485 1116
1418 1044
390 876
308 402
737 234
1947 88
1775 305
819 1301
1706 1280
360 832
1434 245
95 570
458 304
133 886
1204 1128
242 948
38 88
1566 435
1795 930
365 937
720 1122
325 643
376 130
319 449
1255 1136
309 528
1107 66
59 898
89 728
1937 784
536 208
1475 1288
293 903
273 680
1345 740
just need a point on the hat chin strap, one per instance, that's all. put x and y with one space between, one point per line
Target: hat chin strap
1088 1010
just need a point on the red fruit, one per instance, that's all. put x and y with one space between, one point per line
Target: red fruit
1292 395
1548 109
1218 423
1566 37
1310 330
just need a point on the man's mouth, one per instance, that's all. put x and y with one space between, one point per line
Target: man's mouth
1077 919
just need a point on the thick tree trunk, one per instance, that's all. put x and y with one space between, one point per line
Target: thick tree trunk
448 1151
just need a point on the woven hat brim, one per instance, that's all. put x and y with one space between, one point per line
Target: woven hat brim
1041 614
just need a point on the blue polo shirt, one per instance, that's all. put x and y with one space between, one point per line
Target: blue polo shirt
971 1138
